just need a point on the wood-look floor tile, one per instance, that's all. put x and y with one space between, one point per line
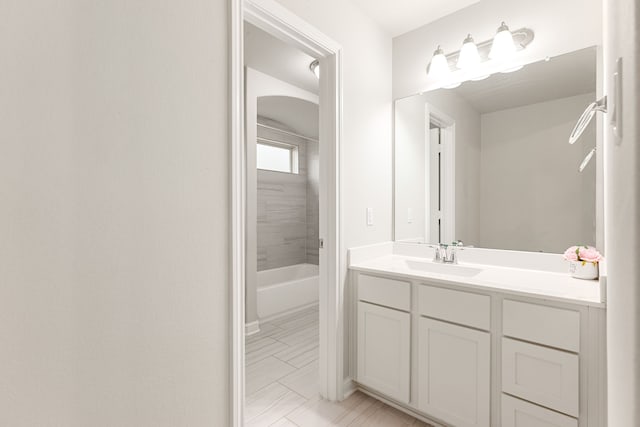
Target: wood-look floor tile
278 410
322 413
264 352
383 416
308 318
283 422
266 329
265 372
300 354
303 381
304 358
298 337
317 413
263 399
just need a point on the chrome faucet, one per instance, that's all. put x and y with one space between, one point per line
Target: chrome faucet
445 253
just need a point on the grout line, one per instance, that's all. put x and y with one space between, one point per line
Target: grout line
293 391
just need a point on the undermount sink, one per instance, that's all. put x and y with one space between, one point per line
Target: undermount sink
432 267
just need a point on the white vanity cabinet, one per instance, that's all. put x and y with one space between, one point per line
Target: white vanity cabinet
454 371
454 356
468 357
384 336
384 350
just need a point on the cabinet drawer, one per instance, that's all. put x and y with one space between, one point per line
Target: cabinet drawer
555 327
518 413
455 306
386 292
541 375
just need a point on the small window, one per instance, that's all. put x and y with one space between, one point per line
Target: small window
277 157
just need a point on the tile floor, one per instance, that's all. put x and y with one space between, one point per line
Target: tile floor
282 377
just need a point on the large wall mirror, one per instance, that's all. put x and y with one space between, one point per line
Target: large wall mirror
489 162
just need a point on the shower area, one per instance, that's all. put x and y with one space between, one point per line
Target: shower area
282 199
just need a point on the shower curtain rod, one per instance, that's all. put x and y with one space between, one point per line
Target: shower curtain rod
287 132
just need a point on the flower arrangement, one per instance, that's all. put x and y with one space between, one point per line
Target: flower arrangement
583 253
583 261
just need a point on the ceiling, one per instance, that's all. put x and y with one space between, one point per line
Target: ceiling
401 16
272 56
297 115
562 76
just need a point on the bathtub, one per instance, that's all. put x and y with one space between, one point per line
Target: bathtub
287 289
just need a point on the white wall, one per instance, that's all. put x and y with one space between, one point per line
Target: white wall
532 197
560 27
410 177
366 151
114 204
622 217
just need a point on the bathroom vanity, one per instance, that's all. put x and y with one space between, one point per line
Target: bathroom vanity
503 338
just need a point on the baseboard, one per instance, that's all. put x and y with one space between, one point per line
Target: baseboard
348 387
252 328
288 312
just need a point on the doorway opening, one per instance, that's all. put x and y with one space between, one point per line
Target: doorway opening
439 177
286 292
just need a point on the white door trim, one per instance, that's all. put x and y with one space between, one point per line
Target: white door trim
278 21
447 127
237 236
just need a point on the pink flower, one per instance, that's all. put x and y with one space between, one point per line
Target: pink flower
571 254
589 254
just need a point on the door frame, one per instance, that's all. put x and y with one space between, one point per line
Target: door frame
272 17
447 127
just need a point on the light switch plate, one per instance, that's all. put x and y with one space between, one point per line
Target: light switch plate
369 216
409 215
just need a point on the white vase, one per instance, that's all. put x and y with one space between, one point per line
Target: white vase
583 270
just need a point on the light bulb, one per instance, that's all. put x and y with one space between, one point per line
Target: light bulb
469 56
502 46
439 66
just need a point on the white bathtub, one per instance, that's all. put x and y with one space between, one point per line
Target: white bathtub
286 289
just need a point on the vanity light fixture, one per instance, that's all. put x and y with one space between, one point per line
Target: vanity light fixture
469 56
500 51
502 46
315 68
438 67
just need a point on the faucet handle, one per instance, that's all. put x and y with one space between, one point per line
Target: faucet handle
458 243
437 257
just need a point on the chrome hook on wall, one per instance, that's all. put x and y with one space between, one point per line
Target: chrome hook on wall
585 118
583 122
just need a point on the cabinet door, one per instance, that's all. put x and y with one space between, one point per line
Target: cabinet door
384 350
454 371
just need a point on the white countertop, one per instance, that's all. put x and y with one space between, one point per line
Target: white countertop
547 285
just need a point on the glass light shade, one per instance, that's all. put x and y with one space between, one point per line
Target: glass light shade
315 68
469 56
502 46
439 66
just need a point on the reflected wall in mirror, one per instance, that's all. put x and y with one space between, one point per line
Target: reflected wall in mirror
498 151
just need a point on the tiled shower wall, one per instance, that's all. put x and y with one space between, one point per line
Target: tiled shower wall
288 209
313 201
